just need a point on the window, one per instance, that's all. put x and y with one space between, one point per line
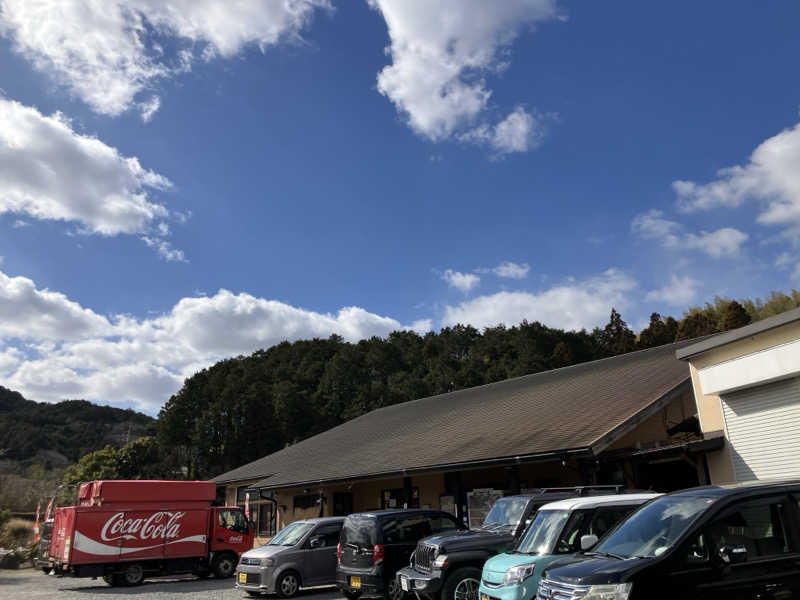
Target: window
697 551
605 519
570 539
441 523
757 526
406 530
232 519
327 534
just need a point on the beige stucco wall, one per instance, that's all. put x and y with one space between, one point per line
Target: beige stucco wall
709 406
654 428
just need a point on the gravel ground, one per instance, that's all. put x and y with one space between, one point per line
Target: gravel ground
30 584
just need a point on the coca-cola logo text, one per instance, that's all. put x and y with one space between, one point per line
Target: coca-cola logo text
159 525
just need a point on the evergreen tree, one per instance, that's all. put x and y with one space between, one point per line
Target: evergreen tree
660 331
616 337
695 325
735 316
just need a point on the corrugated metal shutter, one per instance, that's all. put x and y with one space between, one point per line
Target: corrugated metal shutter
763 429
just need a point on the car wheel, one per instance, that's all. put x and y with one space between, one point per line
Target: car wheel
462 584
288 584
223 566
133 575
393 590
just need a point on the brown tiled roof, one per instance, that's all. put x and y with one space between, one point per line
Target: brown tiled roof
567 409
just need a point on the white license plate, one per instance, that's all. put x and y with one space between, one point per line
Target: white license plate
404 582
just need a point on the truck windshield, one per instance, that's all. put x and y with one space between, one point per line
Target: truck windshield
506 511
654 528
543 532
291 534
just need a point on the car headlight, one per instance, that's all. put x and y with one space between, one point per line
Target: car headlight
516 575
267 562
619 591
440 561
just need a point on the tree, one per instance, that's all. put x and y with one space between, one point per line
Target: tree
100 464
662 330
616 337
695 325
735 316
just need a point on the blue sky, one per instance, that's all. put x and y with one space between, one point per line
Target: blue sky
182 184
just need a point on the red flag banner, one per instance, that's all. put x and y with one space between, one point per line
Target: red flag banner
49 508
247 505
36 523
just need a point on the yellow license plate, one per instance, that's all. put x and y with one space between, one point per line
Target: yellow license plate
355 582
242 577
484 597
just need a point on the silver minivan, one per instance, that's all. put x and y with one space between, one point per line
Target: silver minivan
302 554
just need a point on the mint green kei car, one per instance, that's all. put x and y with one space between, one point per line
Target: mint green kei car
559 528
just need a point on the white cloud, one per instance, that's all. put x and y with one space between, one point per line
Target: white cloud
771 176
509 270
520 131
164 249
32 314
441 53
72 352
49 171
572 305
722 243
108 52
461 281
680 291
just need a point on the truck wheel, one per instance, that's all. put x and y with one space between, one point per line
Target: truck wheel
223 566
288 584
462 584
133 575
112 579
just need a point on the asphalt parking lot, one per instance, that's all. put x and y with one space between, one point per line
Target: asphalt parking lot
29 584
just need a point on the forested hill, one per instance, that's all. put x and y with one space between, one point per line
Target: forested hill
243 408
61 433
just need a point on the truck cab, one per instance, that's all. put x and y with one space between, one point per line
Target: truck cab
231 536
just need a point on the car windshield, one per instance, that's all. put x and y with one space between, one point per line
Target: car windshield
543 532
291 534
506 511
655 527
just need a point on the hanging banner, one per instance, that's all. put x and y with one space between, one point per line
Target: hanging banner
49 508
36 524
247 505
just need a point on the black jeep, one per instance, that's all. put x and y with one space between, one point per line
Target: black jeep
449 564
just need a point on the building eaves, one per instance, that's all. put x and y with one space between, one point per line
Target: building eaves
734 335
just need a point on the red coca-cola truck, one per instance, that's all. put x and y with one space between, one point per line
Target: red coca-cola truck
125 531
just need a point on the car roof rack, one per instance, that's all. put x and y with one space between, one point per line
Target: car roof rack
585 490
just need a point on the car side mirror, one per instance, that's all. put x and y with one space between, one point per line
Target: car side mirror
733 554
588 541
315 542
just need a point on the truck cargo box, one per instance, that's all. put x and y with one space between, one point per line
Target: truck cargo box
93 534
103 492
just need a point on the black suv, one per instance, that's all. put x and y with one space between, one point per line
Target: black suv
374 545
737 542
441 562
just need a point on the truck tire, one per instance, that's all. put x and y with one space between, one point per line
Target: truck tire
288 584
132 575
223 565
113 580
462 584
